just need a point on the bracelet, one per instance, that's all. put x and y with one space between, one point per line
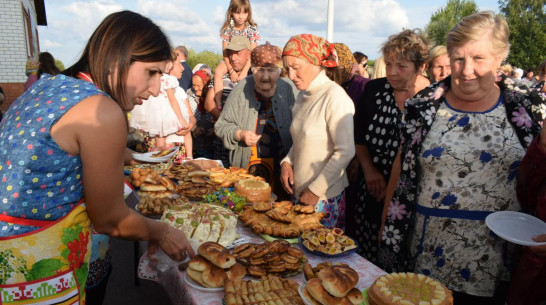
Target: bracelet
162 239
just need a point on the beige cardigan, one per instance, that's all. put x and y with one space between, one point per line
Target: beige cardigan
323 141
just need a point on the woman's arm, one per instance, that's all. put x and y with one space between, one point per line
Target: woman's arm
82 130
375 181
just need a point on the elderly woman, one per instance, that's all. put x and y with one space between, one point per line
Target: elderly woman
256 118
322 130
462 142
377 119
203 132
438 65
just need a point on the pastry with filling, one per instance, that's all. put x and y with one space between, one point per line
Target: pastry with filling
408 289
253 190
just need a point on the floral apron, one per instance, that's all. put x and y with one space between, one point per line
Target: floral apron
48 265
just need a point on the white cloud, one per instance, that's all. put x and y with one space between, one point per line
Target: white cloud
46 43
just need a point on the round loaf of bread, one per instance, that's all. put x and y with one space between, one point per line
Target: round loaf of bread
253 190
150 187
214 277
338 280
408 288
198 263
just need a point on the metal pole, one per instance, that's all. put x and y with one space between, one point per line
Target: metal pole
330 29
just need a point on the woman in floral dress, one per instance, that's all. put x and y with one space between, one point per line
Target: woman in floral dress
377 138
462 142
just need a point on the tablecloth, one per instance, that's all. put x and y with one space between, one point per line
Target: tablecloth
180 293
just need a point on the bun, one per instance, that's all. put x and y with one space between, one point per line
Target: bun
146 186
318 293
253 190
213 277
198 179
308 296
168 183
236 271
198 173
196 276
198 263
338 280
355 296
216 254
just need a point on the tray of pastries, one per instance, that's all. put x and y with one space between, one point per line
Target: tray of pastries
333 285
268 290
280 219
214 265
276 257
327 242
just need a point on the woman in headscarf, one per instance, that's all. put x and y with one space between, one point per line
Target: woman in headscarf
322 129
203 133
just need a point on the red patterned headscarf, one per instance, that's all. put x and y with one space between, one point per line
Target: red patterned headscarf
311 48
203 76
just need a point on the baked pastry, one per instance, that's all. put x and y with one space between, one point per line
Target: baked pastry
338 280
253 190
408 288
317 292
216 254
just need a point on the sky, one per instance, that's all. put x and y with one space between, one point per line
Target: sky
363 25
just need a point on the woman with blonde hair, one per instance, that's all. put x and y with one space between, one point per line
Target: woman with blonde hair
438 65
463 139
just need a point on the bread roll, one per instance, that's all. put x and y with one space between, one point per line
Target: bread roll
236 271
214 277
198 263
168 183
216 254
308 296
338 280
196 276
145 186
320 294
355 296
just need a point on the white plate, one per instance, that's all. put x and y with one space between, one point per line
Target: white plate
195 285
147 157
516 227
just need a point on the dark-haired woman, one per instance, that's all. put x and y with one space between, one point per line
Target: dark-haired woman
58 156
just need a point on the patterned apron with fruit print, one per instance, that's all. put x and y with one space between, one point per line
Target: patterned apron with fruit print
48 265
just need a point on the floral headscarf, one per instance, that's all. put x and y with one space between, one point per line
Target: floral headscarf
346 61
311 48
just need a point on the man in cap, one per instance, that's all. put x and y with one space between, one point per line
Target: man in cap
255 121
238 50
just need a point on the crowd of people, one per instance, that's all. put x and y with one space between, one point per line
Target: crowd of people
408 162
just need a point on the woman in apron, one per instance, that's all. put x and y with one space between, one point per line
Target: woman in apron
61 163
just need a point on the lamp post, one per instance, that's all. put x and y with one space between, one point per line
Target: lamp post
330 29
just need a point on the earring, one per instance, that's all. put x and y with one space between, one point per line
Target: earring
231 22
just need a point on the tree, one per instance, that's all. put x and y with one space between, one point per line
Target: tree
527 22
205 57
446 17
59 64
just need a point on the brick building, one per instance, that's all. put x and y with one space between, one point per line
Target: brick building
19 20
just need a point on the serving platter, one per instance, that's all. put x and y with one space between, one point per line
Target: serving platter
318 253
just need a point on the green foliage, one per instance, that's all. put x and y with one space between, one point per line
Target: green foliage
59 64
446 17
44 268
70 234
205 57
527 23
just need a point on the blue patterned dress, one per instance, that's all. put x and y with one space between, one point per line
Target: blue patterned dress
39 180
